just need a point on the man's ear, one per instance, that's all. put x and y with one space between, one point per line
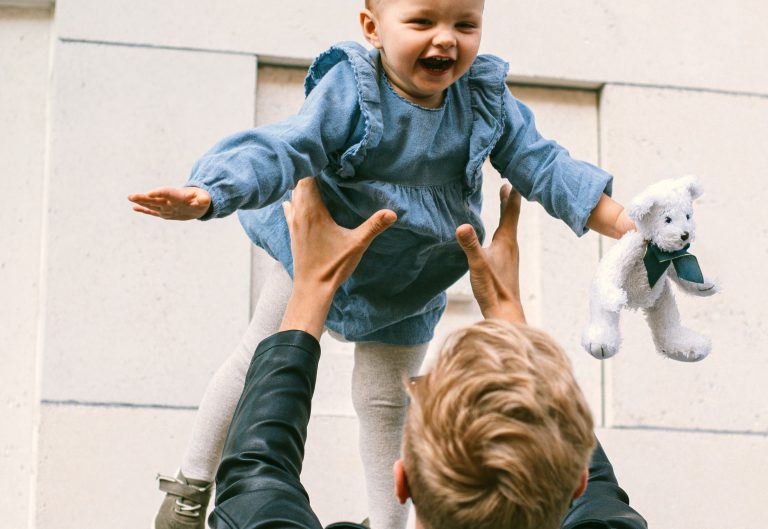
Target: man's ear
402 492
582 484
369 25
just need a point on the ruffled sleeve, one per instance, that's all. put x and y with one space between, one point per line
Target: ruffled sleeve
364 68
255 168
487 84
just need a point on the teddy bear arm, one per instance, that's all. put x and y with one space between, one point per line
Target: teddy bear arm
709 287
614 269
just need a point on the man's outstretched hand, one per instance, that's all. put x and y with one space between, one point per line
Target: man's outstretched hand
172 203
324 255
494 272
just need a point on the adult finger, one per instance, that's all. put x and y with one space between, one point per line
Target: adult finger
510 214
467 238
504 192
288 212
376 224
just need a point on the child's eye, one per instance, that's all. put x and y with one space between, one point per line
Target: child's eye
667 219
420 21
466 25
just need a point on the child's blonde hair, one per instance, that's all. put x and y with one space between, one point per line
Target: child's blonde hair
498 434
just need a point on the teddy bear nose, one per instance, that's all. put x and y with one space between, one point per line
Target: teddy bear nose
684 236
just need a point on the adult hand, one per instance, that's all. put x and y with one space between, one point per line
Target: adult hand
172 203
494 272
324 254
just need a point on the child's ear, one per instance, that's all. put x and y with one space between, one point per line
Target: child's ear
369 26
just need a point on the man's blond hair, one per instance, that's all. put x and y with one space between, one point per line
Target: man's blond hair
498 433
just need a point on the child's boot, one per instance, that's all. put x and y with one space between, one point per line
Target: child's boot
185 503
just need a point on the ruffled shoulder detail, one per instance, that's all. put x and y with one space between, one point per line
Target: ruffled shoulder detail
364 66
487 83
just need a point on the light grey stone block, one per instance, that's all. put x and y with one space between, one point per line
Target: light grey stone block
92 460
556 265
24 47
685 43
139 309
691 479
333 395
333 472
286 29
651 134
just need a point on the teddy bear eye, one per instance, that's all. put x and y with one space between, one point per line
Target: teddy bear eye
687 216
667 219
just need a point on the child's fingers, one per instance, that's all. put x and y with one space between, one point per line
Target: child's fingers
146 211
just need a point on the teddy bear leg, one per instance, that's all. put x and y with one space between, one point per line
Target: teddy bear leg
670 337
601 337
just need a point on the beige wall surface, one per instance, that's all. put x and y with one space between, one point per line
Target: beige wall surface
714 45
24 52
112 323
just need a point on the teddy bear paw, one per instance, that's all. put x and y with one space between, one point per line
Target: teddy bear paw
690 348
709 287
601 351
598 344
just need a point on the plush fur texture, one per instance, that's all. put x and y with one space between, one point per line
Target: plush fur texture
663 214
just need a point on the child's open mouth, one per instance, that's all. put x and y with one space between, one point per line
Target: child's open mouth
437 64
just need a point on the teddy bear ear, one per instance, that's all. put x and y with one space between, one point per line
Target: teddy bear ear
641 205
692 185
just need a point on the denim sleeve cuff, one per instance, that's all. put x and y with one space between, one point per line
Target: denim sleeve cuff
596 184
215 207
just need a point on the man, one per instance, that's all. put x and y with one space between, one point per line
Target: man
521 459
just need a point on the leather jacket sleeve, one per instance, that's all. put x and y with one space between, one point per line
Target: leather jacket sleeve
257 484
604 505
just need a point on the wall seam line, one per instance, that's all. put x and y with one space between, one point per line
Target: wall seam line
66 40
673 429
74 403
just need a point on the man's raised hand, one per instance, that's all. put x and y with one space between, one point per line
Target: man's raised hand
494 272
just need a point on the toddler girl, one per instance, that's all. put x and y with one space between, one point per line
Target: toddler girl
405 126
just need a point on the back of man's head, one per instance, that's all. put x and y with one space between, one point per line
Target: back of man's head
498 433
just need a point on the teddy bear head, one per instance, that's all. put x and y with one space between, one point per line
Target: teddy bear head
663 212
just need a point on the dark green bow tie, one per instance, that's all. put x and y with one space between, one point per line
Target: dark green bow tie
657 261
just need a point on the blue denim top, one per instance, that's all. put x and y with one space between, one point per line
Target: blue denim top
372 149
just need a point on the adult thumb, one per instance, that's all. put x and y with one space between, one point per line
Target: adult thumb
467 238
376 224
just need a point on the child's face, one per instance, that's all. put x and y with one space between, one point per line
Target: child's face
426 45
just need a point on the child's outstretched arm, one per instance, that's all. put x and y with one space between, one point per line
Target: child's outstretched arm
543 171
173 203
609 218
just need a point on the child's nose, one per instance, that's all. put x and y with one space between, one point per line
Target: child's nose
444 38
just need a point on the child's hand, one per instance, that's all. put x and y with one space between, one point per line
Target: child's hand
173 203
494 272
610 219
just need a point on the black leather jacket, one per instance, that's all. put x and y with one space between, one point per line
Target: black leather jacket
258 487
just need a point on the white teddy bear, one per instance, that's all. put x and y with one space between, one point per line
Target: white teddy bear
635 274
